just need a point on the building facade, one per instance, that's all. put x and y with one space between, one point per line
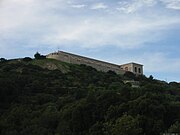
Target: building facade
133 67
97 64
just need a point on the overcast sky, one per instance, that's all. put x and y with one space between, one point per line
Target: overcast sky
117 31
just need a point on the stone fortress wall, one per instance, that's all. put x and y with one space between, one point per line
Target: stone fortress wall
97 64
133 67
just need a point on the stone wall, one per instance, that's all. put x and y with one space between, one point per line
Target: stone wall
76 59
133 67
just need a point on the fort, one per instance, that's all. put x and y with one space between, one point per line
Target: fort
97 64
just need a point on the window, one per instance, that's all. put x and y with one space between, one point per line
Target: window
126 68
139 69
135 69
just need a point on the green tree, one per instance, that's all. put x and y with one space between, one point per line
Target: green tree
126 125
175 128
129 75
151 77
97 129
2 59
27 59
37 55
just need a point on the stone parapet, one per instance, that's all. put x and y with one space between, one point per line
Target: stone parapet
76 59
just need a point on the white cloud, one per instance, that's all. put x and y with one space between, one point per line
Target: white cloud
130 33
172 4
99 6
78 6
134 5
160 62
55 23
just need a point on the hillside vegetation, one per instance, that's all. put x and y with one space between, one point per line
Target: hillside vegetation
48 97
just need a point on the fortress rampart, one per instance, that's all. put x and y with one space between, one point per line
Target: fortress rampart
97 64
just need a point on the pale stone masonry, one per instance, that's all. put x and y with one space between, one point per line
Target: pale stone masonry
97 64
133 67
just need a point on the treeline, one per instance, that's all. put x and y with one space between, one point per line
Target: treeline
83 101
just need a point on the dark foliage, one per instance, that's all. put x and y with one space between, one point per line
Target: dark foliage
27 59
39 56
2 60
83 101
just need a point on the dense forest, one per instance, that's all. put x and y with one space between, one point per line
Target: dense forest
79 100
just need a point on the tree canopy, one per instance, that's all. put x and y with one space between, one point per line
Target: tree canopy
83 101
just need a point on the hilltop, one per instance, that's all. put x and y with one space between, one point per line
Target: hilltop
48 97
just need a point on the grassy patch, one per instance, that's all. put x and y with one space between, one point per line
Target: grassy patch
51 64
